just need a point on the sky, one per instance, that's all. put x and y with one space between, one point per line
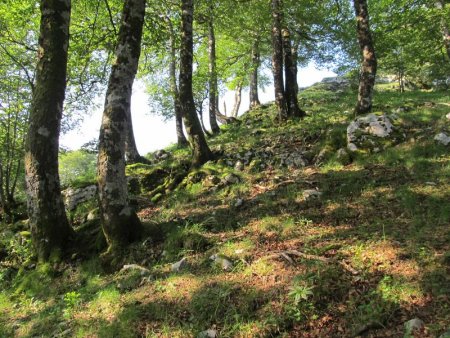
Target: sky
152 132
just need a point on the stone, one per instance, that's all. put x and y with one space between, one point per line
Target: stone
74 197
208 334
442 138
415 324
239 166
371 131
211 181
343 156
161 155
231 179
239 202
448 116
311 194
225 263
181 264
134 267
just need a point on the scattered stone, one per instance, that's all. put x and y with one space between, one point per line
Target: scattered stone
239 166
208 334
311 194
412 325
431 183
176 267
134 267
74 197
352 147
225 263
231 179
161 155
343 156
442 138
239 202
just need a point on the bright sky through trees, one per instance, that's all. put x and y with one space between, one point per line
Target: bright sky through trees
150 130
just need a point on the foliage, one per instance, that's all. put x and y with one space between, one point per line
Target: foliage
77 168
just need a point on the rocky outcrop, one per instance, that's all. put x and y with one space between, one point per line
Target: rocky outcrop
74 197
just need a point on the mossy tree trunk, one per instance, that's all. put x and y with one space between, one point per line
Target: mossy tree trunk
290 72
181 139
201 151
119 221
277 59
254 98
369 61
212 73
131 152
50 228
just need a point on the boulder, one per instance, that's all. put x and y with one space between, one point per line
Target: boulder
161 155
413 325
372 132
180 265
442 138
208 334
311 194
74 197
221 261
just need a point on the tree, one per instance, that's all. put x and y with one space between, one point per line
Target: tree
277 60
48 222
201 151
254 98
119 221
369 61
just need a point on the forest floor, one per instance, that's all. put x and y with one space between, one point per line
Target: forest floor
366 255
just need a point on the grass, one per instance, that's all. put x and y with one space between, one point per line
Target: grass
385 215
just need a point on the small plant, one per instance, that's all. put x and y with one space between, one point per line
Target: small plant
300 306
72 300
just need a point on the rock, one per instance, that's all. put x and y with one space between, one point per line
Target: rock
208 334
371 131
93 214
225 263
176 267
134 267
231 179
412 325
311 194
239 166
343 156
211 181
239 202
448 116
161 155
74 197
442 138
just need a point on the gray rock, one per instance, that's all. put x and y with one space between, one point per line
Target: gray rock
413 325
231 179
134 267
343 156
74 197
208 334
161 155
239 166
225 263
181 264
239 202
448 116
442 138
311 194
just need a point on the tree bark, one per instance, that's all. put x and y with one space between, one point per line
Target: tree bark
369 61
212 81
131 152
237 100
119 221
290 72
181 139
254 98
277 60
50 228
294 54
440 4
201 151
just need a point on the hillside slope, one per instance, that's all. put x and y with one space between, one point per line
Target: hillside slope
281 236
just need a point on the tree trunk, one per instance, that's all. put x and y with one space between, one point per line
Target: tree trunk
290 72
369 61
237 100
181 139
294 54
254 98
119 221
440 4
277 60
131 153
201 151
212 82
50 228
